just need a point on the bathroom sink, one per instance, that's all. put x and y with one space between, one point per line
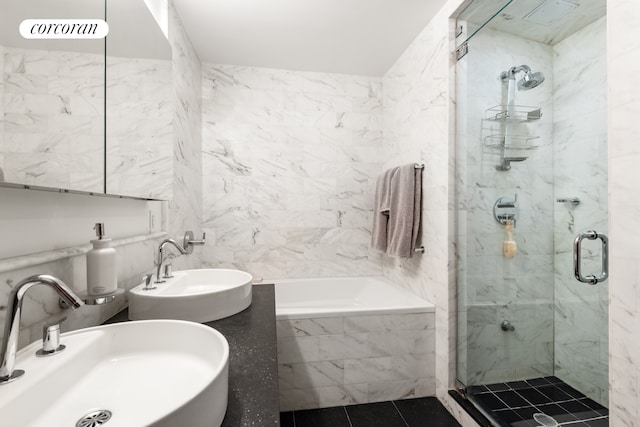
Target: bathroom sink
158 373
196 295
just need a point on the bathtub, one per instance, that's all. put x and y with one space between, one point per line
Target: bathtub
344 296
352 340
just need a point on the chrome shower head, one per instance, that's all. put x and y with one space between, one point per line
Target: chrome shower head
530 80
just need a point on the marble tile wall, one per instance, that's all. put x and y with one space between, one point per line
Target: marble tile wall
185 209
418 124
140 127
580 150
136 255
335 361
623 66
53 105
289 166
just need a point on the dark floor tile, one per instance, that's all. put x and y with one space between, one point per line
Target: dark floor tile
512 399
490 401
286 419
570 391
527 412
578 409
603 422
534 396
554 393
507 417
537 382
518 384
554 380
325 417
427 411
383 414
498 387
525 423
593 404
551 409
477 389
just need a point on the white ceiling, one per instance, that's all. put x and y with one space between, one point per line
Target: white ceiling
341 36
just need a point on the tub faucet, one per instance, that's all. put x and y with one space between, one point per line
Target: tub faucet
12 322
186 248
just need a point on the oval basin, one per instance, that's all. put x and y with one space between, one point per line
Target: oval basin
158 373
197 295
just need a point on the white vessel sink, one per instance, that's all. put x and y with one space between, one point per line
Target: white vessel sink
196 295
159 373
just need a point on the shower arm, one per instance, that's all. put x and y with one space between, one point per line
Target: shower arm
511 73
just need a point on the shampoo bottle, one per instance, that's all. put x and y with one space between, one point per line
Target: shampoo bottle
101 265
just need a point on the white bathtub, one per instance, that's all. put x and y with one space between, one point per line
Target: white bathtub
344 296
344 341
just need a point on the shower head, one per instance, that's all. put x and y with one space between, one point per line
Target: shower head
528 81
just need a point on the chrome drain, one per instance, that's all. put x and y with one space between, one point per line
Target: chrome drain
94 418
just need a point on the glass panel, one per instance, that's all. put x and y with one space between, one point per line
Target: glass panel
532 156
478 14
140 100
51 100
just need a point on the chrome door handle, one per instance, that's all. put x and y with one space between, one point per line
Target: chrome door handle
577 255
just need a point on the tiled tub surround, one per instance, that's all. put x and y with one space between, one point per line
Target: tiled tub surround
354 354
289 167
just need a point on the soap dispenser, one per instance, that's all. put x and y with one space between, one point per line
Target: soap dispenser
101 265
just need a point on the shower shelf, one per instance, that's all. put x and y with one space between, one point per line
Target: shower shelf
520 114
518 142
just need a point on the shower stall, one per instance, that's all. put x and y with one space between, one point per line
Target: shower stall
531 171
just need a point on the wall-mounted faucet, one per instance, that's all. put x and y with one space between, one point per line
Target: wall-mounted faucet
188 242
12 322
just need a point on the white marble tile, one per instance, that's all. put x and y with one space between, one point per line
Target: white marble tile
289 147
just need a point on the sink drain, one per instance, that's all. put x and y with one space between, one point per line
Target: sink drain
94 418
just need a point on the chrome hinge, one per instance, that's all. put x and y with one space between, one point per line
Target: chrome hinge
462 50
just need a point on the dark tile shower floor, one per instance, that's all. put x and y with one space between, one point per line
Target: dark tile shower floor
421 412
513 404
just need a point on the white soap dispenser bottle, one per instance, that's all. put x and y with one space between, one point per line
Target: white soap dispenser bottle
101 265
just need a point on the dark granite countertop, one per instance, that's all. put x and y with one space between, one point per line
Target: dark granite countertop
253 367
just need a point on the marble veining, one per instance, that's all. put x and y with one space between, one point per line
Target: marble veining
580 145
289 164
623 64
324 362
136 255
52 127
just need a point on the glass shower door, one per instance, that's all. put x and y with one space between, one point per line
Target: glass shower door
531 338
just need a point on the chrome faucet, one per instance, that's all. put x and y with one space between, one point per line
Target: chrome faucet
12 323
186 248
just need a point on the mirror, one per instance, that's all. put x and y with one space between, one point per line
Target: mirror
52 93
53 122
140 97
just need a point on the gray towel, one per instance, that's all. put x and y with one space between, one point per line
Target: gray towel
381 207
397 211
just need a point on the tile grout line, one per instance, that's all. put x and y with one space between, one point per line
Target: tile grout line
399 412
536 388
344 408
293 415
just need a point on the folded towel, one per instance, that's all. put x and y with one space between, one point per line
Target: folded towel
404 211
381 207
397 211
